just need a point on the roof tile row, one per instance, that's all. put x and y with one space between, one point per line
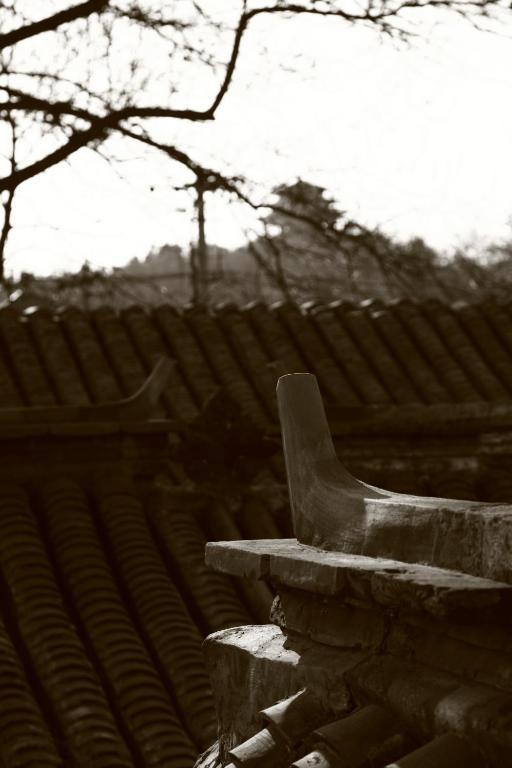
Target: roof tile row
362 354
105 599
144 709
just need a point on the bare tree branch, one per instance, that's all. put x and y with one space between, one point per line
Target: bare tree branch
77 140
50 23
111 117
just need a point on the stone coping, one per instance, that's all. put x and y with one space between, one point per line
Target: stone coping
391 583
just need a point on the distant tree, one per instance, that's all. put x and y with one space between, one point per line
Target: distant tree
300 209
482 268
416 269
311 249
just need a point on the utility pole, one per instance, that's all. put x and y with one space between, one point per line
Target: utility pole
200 267
199 253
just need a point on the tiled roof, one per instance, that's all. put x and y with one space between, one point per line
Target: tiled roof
105 602
299 734
105 594
369 354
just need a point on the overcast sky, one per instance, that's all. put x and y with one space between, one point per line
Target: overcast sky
415 139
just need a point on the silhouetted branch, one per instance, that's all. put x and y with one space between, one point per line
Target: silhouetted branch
118 107
51 23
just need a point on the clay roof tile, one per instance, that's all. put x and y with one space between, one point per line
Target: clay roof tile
323 757
228 371
434 349
379 357
374 353
213 595
411 359
499 317
263 750
118 349
128 672
295 717
332 380
75 696
371 735
274 338
24 361
157 604
57 358
185 349
150 347
95 370
464 351
26 738
250 354
348 356
488 344
447 751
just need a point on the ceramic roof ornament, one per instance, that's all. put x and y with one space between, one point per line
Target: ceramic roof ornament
335 511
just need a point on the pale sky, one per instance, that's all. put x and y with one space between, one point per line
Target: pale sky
416 139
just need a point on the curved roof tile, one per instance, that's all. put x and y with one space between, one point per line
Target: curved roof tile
274 338
157 605
215 600
487 342
57 358
96 371
436 352
227 370
70 685
411 359
360 325
348 356
103 589
119 349
25 363
498 316
466 353
150 346
331 379
143 705
252 357
187 352
26 739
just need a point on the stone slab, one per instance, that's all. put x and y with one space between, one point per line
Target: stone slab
253 667
391 583
474 539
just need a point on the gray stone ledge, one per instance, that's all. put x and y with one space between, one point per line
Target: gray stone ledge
418 588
